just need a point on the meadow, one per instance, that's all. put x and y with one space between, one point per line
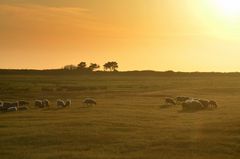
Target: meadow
130 120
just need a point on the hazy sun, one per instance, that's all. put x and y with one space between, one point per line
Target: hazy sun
229 8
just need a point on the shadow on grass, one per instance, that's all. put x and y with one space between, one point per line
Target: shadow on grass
194 110
189 111
166 106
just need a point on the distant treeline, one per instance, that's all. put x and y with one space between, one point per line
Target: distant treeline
117 73
111 66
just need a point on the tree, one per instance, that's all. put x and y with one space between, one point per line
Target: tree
70 67
111 66
106 66
114 66
82 66
93 66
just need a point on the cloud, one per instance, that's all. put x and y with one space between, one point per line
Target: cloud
38 12
71 20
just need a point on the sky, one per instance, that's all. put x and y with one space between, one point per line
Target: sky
186 35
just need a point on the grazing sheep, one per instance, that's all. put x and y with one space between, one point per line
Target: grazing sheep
89 101
205 103
68 103
12 109
182 99
7 105
15 104
170 101
23 103
61 103
46 103
23 108
39 103
192 105
213 104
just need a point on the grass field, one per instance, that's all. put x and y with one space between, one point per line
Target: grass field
129 121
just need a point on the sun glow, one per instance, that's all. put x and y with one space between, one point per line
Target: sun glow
229 8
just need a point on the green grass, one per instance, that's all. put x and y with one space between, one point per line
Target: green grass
129 121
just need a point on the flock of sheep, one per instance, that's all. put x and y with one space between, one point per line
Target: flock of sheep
192 104
23 105
187 103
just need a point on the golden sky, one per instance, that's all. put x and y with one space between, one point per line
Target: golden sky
180 35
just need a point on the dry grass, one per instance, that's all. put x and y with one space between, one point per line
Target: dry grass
130 120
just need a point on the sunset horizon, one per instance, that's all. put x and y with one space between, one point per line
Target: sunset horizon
119 79
140 35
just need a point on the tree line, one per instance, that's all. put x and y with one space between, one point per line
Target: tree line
111 66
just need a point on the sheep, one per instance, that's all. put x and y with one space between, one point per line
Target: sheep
7 105
46 103
89 101
208 104
60 103
15 104
23 103
182 99
213 104
39 103
170 101
68 103
205 102
192 105
22 108
12 109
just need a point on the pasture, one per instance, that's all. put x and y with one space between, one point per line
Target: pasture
130 120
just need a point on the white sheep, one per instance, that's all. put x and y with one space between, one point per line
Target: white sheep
182 99
192 104
39 103
7 105
89 101
170 101
68 103
46 103
213 104
60 103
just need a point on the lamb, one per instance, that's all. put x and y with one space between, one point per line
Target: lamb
61 103
192 105
89 101
68 103
23 103
170 101
46 103
39 103
182 99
